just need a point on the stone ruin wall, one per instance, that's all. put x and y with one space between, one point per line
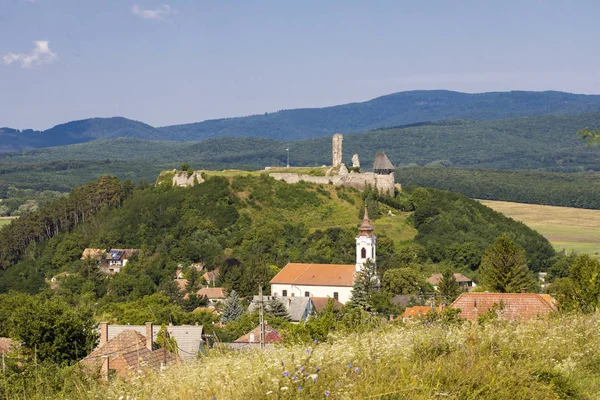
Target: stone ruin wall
181 178
384 183
336 150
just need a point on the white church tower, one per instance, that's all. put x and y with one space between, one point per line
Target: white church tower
365 243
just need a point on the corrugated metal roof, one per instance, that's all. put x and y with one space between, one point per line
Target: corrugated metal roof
316 274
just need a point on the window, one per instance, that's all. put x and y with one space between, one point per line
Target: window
292 294
306 294
363 253
284 293
336 295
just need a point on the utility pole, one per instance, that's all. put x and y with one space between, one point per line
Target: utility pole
261 314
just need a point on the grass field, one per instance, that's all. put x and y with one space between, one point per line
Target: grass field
572 229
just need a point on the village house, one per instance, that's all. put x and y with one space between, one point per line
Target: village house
251 339
464 282
509 306
213 294
326 280
419 311
298 308
210 277
127 354
116 259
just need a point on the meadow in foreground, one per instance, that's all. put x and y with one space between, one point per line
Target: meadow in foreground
555 358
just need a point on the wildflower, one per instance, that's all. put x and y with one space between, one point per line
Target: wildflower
302 369
285 373
316 341
327 393
356 370
314 377
318 369
299 388
294 377
284 388
307 351
349 365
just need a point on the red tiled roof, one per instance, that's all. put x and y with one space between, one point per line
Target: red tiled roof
316 274
516 305
213 292
436 278
271 336
130 351
419 310
319 303
182 284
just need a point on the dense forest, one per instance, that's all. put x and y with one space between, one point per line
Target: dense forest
300 124
578 190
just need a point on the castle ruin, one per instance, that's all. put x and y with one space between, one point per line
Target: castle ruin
382 177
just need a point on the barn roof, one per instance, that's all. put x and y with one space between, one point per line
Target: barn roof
316 274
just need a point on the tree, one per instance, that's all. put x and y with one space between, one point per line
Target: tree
232 309
193 279
448 287
581 290
592 136
276 308
504 267
54 330
166 341
402 281
366 283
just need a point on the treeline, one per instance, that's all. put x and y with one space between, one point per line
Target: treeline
59 216
578 190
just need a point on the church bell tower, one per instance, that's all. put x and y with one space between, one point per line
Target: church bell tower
365 243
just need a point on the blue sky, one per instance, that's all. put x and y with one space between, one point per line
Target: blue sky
170 62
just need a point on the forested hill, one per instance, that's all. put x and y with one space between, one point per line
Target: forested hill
401 108
299 124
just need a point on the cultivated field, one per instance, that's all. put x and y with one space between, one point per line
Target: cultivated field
5 221
573 229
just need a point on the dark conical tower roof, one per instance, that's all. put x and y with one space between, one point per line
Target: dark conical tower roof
366 229
382 164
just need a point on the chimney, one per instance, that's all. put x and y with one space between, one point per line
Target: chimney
523 290
149 334
103 333
105 370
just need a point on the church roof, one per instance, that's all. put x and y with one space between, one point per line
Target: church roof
366 229
382 162
316 274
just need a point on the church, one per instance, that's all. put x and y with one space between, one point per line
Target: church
327 280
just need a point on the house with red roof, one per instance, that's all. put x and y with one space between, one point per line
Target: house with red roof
252 338
510 306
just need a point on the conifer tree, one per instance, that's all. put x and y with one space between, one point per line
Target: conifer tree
232 309
504 267
448 286
275 308
366 283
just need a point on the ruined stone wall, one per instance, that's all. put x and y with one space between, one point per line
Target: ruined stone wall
384 183
336 149
182 179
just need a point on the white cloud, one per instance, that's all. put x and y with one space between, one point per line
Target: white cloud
158 13
40 55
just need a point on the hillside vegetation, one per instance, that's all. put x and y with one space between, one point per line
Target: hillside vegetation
387 111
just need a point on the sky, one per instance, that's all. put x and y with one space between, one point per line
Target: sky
173 62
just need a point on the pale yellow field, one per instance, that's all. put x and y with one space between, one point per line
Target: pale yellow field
573 229
5 221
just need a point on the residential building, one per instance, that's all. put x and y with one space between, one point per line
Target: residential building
251 339
213 294
510 306
116 259
464 282
326 280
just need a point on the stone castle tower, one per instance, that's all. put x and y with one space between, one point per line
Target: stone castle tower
365 243
336 150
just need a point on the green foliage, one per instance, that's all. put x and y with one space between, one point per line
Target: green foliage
366 284
448 287
504 267
581 290
232 309
166 341
53 330
275 308
403 281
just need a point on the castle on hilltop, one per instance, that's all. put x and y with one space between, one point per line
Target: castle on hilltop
382 177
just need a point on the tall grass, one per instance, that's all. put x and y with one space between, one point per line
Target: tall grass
556 358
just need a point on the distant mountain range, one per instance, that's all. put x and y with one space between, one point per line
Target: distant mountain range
397 109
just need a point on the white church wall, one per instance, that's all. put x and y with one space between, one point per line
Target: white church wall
344 292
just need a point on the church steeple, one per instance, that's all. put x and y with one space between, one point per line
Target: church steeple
365 242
